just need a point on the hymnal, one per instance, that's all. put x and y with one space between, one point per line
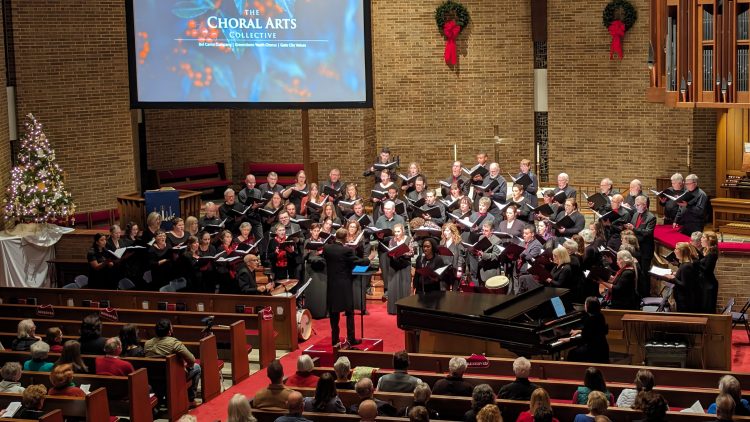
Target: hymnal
390 166
565 221
561 196
384 232
597 201
543 209
408 179
378 194
481 245
425 231
433 211
328 190
476 170
464 221
268 212
396 251
317 205
490 186
430 273
121 251
523 180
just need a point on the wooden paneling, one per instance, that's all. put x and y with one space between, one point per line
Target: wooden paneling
731 134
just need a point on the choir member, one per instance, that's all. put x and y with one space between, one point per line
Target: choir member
420 185
533 187
545 232
387 221
208 275
382 186
563 181
329 211
211 217
606 187
451 239
570 210
271 185
315 269
430 201
429 259
294 233
357 240
283 255
122 268
464 211
548 198
671 207
575 247
594 347
623 293
351 196
488 265
592 259
532 248
483 160
135 266
642 223
334 182
177 236
327 227
99 266
383 159
707 265
455 177
269 219
511 225
153 223
225 271
695 243
451 202
228 211
251 196
687 285
635 190
413 172
193 272
161 261
399 277
562 273
499 192
115 240
692 214
615 222
291 209
359 215
244 237
393 196
313 195
295 192
523 202
246 282
131 234
191 226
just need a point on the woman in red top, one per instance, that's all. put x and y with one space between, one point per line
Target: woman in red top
61 379
304 376
282 257
540 408
226 271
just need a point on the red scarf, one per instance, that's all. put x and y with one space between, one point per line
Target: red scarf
280 253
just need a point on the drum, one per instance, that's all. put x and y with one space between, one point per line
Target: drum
283 287
497 284
304 324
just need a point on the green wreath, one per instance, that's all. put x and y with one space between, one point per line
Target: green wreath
451 10
621 10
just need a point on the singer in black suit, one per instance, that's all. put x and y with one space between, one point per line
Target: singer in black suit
340 261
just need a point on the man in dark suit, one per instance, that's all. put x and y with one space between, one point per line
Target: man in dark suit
340 261
532 249
245 197
692 214
563 181
455 177
246 277
643 223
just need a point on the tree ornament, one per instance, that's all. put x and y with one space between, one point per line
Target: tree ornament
618 17
451 18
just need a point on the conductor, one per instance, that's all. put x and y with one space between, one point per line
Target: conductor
340 261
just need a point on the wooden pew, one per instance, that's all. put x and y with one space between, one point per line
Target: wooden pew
93 408
270 415
128 396
544 369
259 332
52 416
168 371
232 337
284 308
563 389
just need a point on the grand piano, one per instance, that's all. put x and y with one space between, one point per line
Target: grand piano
527 324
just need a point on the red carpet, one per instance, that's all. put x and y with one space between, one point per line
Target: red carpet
378 324
381 325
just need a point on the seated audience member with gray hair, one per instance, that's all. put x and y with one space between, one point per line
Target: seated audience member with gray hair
110 363
38 362
399 381
367 411
11 373
422 394
365 391
731 385
304 376
32 402
343 370
521 388
418 414
454 384
480 397
295 405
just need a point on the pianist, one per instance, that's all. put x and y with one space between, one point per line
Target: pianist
594 347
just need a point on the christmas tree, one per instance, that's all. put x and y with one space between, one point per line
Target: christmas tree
37 193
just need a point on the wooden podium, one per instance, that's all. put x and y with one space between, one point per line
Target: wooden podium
133 207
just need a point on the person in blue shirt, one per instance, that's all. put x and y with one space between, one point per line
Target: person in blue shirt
38 361
730 385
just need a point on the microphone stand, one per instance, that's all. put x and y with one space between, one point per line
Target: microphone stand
362 290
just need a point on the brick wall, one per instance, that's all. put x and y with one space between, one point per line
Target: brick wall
5 158
599 122
71 65
732 272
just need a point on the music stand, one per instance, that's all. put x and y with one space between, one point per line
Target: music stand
362 270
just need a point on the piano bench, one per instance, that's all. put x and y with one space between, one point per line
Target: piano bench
669 352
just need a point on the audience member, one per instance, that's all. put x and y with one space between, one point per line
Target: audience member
26 336
38 362
655 409
239 410
593 380
92 342
597 404
365 390
164 344
111 364
61 379
55 339
276 393
71 354
480 397
367 411
540 408
521 388
730 385
644 381
418 414
489 413
725 406
11 373
399 381
295 405
422 394
454 384
343 370
32 401
131 346
304 376
326 397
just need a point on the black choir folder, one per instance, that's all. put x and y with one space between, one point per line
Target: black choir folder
476 170
597 200
434 211
523 180
561 196
566 222
396 251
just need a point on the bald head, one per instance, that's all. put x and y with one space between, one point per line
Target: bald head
295 402
368 410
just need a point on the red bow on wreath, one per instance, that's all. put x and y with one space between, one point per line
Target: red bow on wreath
451 30
617 31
